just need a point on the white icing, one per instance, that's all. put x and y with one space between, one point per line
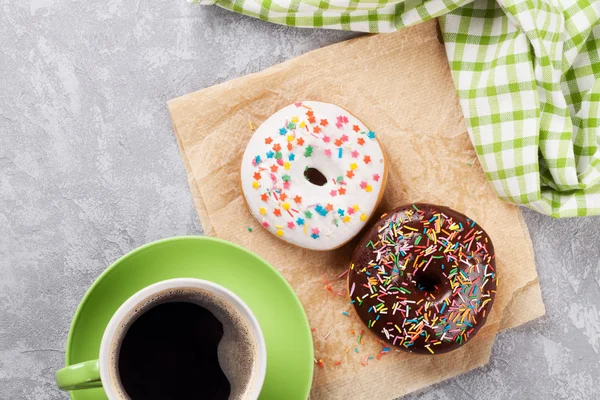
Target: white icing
357 202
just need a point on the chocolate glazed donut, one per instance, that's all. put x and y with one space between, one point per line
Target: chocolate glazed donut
424 278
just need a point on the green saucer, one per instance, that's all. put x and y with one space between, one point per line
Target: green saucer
269 296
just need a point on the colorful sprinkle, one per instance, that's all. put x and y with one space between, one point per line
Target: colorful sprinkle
321 210
308 151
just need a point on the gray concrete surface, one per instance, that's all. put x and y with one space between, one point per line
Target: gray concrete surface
89 169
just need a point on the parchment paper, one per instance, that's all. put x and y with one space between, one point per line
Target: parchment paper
400 86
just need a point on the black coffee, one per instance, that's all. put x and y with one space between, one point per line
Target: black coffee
170 352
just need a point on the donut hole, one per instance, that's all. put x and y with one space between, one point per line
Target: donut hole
315 176
426 282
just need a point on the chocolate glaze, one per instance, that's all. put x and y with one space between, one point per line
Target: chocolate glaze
424 278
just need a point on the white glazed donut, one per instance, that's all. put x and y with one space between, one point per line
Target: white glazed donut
313 174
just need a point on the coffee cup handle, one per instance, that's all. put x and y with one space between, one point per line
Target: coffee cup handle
85 375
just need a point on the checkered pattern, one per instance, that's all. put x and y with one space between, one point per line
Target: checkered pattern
527 73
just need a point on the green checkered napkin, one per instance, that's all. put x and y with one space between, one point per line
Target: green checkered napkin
527 73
